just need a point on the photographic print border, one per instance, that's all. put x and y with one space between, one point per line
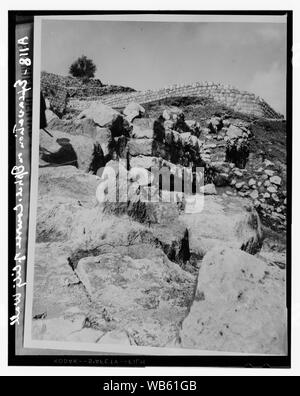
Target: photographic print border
59 357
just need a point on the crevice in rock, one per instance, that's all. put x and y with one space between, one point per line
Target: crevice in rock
237 154
73 267
98 160
177 251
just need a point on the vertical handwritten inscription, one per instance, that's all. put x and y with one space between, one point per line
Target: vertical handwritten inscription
20 174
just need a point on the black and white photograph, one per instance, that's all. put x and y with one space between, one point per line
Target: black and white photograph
150 226
159 185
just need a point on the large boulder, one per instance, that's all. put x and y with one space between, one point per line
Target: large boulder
194 127
50 116
105 117
100 113
189 140
84 126
172 113
122 192
103 137
67 184
143 128
234 132
78 148
208 189
146 298
215 124
62 329
239 306
145 162
66 203
58 221
147 147
69 231
133 110
140 175
141 147
68 208
227 221
172 175
68 212
148 128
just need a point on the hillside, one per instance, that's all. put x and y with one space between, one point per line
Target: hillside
143 263
59 90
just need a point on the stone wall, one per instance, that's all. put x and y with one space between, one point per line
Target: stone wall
241 101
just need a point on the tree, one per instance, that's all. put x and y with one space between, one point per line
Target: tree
83 68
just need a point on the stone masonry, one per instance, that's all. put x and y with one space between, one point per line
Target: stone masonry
241 101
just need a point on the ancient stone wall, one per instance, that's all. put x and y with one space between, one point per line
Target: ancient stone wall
241 101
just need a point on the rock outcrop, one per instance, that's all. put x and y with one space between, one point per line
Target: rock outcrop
222 146
59 89
101 114
239 306
73 235
223 221
182 249
143 298
133 110
139 293
63 149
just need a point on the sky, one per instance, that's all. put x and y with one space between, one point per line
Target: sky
151 55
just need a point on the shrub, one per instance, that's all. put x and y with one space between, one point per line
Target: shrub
83 68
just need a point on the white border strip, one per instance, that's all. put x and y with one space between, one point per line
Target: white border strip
171 18
34 182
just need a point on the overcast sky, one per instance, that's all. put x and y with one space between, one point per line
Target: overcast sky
150 55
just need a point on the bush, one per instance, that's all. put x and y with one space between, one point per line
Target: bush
83 68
